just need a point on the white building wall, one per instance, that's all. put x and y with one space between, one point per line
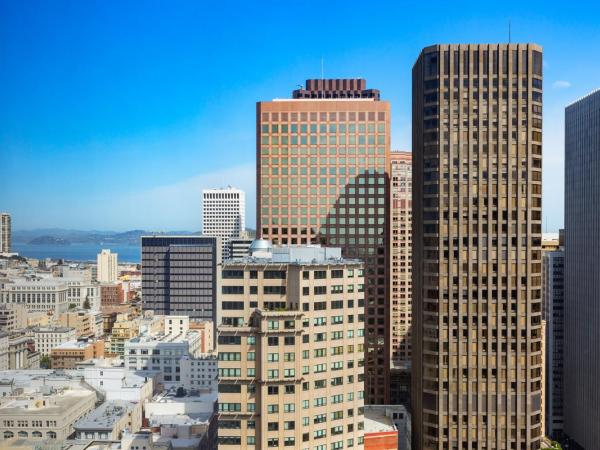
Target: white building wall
224 215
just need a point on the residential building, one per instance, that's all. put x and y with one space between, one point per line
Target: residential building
125 328
179 275
224 216
400 271
109 420
322 177
48 294
47 338
107 264
206 330
161 354
5 233
13 316
553 295
69 354
291 349
199 372
477 197
44 413
582 283
83 321
111 294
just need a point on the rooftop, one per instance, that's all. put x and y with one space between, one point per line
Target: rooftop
377 421
262 253
105 416
54 404
164 338
73 345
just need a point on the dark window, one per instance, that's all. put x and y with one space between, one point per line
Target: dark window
230 389
274 274
273 340
537 63
232 289
230 340
289 340
233 274
232 305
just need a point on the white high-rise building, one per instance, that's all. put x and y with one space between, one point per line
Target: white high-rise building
107 266
5 233
223 215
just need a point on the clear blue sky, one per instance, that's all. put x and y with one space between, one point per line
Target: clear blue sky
114 115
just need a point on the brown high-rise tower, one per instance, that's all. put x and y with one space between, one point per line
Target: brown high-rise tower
322 160
477 171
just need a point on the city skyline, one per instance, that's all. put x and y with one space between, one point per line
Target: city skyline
143 157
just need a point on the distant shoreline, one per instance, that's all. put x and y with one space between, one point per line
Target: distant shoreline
77 253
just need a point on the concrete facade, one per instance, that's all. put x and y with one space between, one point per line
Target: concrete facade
582 283
224 216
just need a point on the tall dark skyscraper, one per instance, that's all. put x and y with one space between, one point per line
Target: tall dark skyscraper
582 271
179 275
477 173
322 162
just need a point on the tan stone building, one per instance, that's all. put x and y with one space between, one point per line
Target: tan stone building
322 162
477 197
84 322
69 354
12 317
291 350
45 417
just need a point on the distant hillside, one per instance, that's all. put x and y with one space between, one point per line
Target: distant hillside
48 240
65 237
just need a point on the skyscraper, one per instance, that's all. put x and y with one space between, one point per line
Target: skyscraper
322 160
291 350
553 271
582 281
179 275
224 215
477 331
5 233
401 255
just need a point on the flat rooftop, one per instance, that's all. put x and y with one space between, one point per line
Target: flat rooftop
105 416
376 421
305 254
164 338
60 402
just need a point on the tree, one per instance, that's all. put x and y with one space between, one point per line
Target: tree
86 304
72 306
553 446
45 362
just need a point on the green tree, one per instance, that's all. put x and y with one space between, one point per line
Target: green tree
45 362
553 446
86 304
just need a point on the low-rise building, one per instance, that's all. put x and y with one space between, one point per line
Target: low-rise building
161 353
45 413
83 321
387 427
22 353
206 330
109 420
47 338
125 328
110 294
38 295
199 372
69 354
114 381
12 316
83 293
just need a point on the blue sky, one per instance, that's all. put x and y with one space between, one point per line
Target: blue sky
115 115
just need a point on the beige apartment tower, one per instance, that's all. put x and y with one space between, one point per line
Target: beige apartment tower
477 198
291 350
5 233
322 161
